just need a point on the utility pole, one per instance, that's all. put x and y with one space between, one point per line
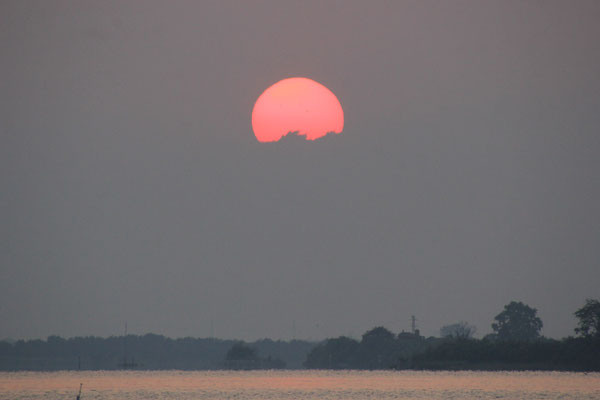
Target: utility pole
125 346
126 364
413 324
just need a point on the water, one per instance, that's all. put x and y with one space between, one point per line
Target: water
138 385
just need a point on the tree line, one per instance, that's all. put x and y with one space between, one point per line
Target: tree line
148 352
516 343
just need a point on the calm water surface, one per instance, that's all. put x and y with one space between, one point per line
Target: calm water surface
299 385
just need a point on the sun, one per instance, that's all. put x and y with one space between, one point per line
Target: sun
296 105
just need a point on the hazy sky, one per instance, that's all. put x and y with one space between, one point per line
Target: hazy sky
133 189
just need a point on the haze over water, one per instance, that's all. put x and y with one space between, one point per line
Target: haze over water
314 384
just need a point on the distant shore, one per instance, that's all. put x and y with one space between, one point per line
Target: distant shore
379 349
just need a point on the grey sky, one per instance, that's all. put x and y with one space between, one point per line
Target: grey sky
133 189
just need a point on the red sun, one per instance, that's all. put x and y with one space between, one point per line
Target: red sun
296 105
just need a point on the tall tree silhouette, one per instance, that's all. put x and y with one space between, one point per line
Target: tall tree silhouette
589 319
518 322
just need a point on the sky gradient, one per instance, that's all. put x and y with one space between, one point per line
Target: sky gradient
133 188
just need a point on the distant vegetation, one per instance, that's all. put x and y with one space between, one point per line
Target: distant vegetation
243 356
518 322
459 330
378 349
515 344
149 352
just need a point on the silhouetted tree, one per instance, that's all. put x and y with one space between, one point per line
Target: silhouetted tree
294 352
459 330
518 321
589 319
240 351
378 349
336 353
242 356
